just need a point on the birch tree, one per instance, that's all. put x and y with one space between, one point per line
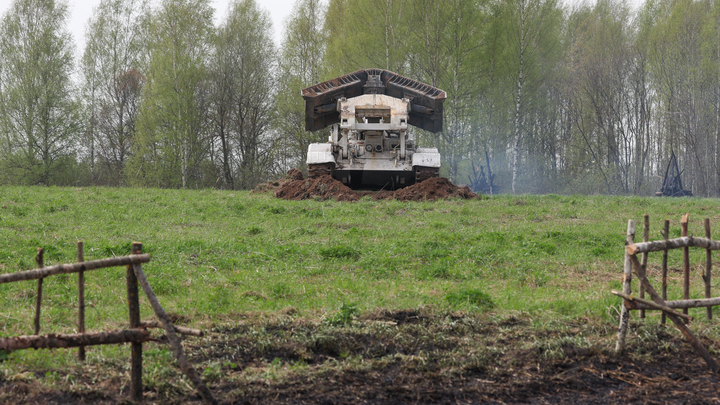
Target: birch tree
38 112
532 35
173 138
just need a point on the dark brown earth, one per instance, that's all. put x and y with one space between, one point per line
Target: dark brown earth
411 357
438 188
295 187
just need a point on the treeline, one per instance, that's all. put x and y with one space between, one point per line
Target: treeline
587 99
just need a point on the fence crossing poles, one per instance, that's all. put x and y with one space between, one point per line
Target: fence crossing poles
668 308
41 263
81 298
136 390
694 342
627 289
171 334
136 335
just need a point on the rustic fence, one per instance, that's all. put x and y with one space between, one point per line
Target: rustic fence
659 301
136 335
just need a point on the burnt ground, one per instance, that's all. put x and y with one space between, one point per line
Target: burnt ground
294 187
409 357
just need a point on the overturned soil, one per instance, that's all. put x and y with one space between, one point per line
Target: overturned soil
295 187
408 357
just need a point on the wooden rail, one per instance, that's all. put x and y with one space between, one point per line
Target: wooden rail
73 268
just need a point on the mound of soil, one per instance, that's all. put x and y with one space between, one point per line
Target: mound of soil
432 189
322 188
292 175
294 187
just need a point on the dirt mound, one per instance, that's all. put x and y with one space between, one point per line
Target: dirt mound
292 175
432 189
294 187
322 188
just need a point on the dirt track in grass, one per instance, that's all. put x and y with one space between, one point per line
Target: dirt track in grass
413 357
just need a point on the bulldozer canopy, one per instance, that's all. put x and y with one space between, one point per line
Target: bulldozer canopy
426 101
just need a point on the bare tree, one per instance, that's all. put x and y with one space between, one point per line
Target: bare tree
112 66
243 77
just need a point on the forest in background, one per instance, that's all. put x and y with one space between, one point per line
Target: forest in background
589 98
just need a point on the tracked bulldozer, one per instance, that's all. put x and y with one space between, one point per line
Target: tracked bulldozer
370 145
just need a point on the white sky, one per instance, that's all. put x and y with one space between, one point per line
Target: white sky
81 11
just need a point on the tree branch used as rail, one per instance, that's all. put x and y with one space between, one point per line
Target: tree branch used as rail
74 340
634 301
682 304
74 268
179 329
677 243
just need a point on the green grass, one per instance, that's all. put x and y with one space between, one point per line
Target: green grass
217 255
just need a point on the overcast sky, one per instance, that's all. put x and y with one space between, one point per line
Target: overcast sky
81 11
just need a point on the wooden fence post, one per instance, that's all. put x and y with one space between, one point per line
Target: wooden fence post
41 263
666 236
686 262
646 238
708 268
81 298
627 289
136 389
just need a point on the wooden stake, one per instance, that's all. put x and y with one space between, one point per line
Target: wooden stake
708 268
686 261
40 262
185 366
627 289
666 236
136 390
694 342
81 298
646 238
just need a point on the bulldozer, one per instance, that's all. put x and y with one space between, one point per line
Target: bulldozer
370 146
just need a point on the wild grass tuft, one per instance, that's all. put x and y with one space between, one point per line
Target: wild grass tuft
469 298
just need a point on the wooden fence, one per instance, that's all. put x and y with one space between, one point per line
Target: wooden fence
659 301
136 335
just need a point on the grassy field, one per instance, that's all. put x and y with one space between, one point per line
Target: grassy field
220 258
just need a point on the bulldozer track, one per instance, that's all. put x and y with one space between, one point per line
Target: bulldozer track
321 169
424 173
